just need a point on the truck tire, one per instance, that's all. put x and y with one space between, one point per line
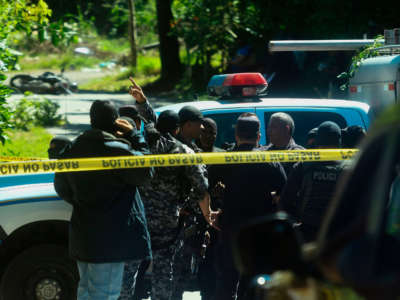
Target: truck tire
42 272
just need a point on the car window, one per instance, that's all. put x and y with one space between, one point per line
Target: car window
306 120
226 127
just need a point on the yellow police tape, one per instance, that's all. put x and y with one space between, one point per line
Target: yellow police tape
12 158
172 160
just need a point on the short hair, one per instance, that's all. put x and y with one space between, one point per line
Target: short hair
208 122
285 119
248 126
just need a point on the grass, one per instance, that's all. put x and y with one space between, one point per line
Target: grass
54 61
116 83
37 138
147 70
116 46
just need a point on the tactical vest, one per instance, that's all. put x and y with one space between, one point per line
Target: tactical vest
318 188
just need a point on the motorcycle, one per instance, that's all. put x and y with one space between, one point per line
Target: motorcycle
46 83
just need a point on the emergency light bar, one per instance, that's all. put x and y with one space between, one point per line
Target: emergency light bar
237 85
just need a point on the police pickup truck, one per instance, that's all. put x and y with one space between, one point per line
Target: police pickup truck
34 261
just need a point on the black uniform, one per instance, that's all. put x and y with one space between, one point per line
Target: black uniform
290 146
247 195
308 192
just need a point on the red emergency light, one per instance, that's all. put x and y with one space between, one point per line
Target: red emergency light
237 85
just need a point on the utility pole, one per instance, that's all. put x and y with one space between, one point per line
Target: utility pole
132 32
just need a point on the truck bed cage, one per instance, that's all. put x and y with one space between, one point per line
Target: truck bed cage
388 50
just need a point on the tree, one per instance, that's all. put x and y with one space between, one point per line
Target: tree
33 19
210 27
171 67
132 32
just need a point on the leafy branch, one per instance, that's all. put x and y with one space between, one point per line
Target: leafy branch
366 52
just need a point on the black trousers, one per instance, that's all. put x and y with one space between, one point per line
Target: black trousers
229 284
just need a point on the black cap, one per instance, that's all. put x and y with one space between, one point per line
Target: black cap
103 115
248 127
167 121
312 133
329 134
189 113
352 135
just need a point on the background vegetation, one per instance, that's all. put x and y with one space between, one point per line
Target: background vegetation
180 43
37 138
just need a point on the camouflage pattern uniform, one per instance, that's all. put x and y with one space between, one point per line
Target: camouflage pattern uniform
184 264
163 198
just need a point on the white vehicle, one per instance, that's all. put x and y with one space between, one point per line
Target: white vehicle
34 221
376 80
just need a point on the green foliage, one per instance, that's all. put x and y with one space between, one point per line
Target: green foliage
37 138
366 52
117 46
118 16
208 27
147 70
18 15
56 62
4 113
118 82
34 111
148 65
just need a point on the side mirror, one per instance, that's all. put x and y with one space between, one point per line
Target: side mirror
268 244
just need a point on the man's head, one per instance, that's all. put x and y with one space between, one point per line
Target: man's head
247 130
130 111
58 145
328 135
352 136
190 119
168 122
311 138
103 115
208 134
280 129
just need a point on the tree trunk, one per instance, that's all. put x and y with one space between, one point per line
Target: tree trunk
171 68
132 32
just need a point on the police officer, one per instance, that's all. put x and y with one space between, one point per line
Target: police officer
206 273
165 194
280 132
311 135
191 125
247 195
190 128
311 185
208 136
352 136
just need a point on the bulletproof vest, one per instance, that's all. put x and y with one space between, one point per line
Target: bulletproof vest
318 188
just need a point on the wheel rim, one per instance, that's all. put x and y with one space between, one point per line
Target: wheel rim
47 284
48 289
